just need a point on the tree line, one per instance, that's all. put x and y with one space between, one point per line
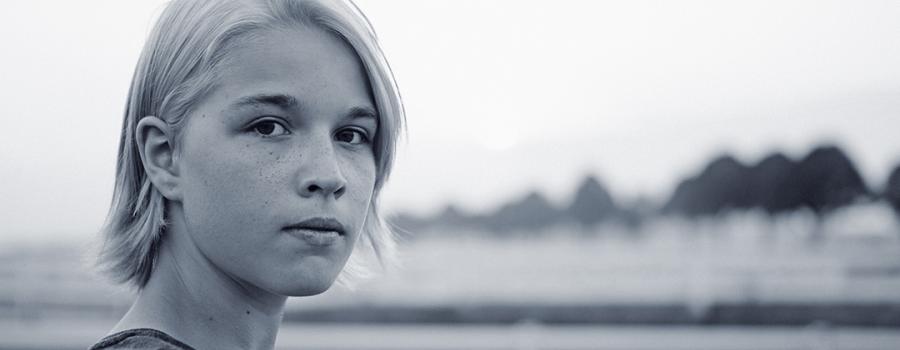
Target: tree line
823 180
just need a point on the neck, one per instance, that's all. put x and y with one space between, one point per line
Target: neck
191 299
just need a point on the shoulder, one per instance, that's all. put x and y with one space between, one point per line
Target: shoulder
140 339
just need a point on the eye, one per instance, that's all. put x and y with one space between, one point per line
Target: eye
269 128
352 136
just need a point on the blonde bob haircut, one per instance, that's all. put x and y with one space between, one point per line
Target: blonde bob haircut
178 67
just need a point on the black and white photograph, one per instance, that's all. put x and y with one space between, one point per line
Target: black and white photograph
450 175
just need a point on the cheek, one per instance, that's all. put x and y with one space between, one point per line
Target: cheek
361 173
227 189
362 176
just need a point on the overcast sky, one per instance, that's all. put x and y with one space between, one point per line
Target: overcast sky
502 96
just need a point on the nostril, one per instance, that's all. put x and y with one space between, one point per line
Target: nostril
336 190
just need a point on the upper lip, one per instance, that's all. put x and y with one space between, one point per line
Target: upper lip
318 224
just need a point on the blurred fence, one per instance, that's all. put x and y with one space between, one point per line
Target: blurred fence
742 261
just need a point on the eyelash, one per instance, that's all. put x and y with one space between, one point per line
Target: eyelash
255 127
363 134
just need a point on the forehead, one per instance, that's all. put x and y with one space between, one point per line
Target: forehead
317 67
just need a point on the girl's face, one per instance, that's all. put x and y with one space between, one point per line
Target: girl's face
277 162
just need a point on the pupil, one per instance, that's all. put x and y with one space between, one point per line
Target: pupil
265 128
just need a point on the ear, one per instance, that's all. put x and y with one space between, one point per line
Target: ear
155 144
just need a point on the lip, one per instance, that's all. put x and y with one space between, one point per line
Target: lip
320 224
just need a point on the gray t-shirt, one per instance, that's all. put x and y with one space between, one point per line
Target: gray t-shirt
140 339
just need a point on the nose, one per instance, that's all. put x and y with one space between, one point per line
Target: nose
321 174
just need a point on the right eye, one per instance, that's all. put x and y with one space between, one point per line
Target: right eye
269 128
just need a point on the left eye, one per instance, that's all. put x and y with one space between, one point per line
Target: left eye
269 128
351 136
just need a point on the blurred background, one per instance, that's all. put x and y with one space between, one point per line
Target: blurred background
576 175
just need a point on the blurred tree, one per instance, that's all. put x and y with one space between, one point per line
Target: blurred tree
723 184
408 223
824 180
592 203
449 217
892 190
533 212
769 181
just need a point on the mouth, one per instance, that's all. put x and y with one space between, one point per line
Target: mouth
318 224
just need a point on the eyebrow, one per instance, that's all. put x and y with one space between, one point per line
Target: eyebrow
285 101
362 112
282 101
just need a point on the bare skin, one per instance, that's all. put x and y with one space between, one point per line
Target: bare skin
211 311
245 175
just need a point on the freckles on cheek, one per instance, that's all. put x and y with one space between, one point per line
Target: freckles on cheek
236 176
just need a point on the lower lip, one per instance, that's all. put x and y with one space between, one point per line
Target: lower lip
317 238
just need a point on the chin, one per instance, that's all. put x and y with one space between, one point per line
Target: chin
306 291
308 285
